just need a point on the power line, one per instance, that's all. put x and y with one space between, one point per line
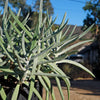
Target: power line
77 1
61 8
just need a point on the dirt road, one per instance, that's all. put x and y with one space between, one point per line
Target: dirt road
80 90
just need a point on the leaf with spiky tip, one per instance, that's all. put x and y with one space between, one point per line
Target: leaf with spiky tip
2 93
40 13
6 51
16 92
32 83
62 51
43 83
59 87
76 64
37 93
59 71
20 24
86 31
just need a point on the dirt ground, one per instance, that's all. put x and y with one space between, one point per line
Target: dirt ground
80 90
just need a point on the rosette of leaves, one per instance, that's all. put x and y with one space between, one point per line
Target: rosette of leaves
30 54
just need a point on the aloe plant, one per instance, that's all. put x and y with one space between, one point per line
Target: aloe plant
27 54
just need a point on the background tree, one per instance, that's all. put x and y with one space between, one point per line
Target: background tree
46 5
16 4
33 10
93 15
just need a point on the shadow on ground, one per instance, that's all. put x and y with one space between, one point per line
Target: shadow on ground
89 85
85 87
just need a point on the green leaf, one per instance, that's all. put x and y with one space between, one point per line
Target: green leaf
1 39
5 9
59 87
20 24
26 19
52 94
34 66
1 55
3 63
59 71
63 21
58 37
47 95
47 80
32 83
16 91
44 52
50 75
69 36
86 31
7 70
62 45
17 30
2 93
19 12
64 34
49 27
7 36
6 51
71 47
43 83
23 44
33 44
76 64
40 13
37 94
68 87
54 33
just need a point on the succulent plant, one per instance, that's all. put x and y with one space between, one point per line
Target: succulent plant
30 54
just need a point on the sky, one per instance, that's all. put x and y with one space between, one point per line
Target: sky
73 8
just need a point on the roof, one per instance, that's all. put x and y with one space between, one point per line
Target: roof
78 30
90 47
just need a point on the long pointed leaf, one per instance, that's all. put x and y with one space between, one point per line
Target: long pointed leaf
32 83
52 94
50 75
2 93
55 33
72 32
20 24
72 46
47 80
43 83
16 91
6 51
17 30
58 70
65 33
23 44
37 94
40 13
76 64
59 87
86 31
3 63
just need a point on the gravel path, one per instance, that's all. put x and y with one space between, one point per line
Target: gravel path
80 90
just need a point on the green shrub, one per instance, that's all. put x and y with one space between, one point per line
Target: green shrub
27 54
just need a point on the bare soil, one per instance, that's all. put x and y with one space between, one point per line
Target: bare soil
80 90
